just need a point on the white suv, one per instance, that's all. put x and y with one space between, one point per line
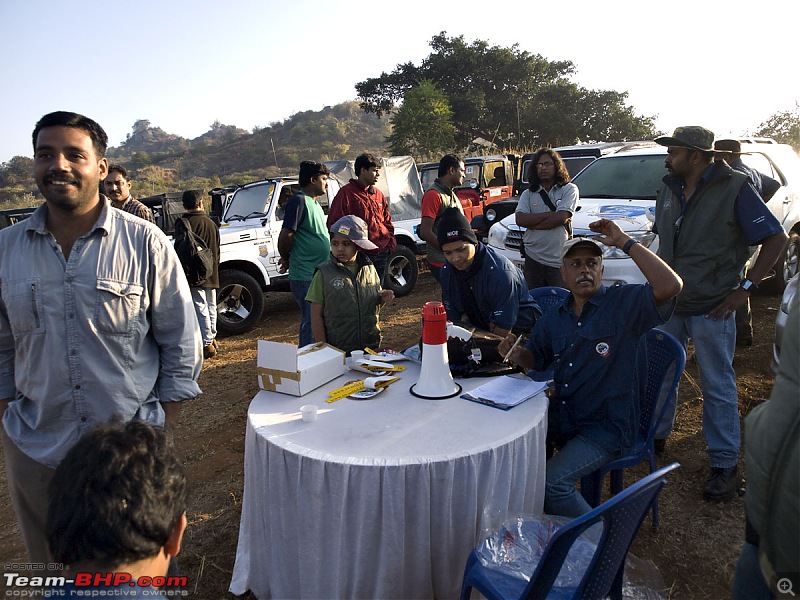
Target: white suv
623 187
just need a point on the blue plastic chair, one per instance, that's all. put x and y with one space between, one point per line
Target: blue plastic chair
665 359
621 517
547 298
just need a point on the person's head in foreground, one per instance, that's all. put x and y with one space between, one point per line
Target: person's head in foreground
117 502
456 239
348 235
582 266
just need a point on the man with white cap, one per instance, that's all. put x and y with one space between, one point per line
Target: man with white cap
707 216
590 342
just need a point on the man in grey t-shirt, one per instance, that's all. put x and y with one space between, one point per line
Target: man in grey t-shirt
545 209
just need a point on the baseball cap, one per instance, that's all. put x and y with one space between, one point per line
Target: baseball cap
355 229
453 226
580 241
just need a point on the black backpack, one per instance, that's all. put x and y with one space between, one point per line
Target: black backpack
195 256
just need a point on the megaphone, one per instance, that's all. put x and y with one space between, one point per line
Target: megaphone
435 381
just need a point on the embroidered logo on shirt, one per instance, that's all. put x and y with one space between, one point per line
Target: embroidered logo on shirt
338 283
602 349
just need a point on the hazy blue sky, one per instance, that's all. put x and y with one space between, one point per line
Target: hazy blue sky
183 64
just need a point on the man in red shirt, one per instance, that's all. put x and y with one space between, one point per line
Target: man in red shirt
361 198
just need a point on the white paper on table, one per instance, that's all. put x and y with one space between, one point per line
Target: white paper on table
507 390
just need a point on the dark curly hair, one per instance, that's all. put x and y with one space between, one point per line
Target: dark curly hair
116 496
561 174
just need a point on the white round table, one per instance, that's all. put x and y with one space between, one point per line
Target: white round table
380 498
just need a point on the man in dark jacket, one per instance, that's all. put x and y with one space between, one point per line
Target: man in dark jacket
480 286
204 295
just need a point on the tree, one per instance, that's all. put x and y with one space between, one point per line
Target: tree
423 126
783 127
17 171
507 96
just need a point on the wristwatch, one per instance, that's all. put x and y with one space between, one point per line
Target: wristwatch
626 248
748 286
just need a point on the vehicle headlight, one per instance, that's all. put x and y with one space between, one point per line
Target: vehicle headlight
645 238
491 215
497 235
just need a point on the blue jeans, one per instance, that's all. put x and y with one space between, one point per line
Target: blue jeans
205 307
714 345
380 261
299 290
577 458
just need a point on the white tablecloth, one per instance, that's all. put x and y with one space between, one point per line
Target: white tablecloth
380 498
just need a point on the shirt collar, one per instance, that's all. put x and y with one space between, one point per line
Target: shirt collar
37 222
362 187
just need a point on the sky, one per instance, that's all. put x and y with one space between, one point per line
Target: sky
183 64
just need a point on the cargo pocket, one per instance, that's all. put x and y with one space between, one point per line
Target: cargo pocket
118 306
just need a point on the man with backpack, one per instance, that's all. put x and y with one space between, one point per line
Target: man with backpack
197 245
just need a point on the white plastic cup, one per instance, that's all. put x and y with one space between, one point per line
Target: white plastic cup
308 412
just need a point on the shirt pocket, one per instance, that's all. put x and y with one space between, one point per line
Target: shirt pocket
23 300
599 330
118 306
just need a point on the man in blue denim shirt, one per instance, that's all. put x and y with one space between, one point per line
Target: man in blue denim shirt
96 319
590 341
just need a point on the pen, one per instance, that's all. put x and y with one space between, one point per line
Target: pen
505 359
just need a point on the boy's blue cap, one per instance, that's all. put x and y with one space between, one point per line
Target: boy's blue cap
355 229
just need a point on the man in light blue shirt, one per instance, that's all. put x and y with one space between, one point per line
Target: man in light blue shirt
96 319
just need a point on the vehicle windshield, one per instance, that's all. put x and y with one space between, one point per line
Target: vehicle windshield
250 201
472 175
428 176
632 177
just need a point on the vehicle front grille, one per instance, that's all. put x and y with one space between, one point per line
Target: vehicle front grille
514 239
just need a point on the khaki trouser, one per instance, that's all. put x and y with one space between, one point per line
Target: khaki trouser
27 487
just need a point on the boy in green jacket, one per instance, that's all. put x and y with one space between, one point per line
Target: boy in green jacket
345 292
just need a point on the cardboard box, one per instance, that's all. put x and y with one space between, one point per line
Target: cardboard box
291 370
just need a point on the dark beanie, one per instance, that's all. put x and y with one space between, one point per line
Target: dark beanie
453 226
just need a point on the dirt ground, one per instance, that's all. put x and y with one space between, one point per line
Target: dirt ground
695 549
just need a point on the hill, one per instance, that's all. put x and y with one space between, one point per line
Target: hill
225 154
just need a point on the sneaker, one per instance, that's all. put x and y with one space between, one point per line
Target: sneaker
209 351
722 484
660 446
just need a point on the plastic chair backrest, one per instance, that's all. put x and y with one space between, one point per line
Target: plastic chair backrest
548 297
662 352
621 515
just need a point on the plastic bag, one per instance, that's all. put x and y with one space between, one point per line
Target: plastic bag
516 547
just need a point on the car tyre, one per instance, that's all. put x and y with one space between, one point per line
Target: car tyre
401 271
240 302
